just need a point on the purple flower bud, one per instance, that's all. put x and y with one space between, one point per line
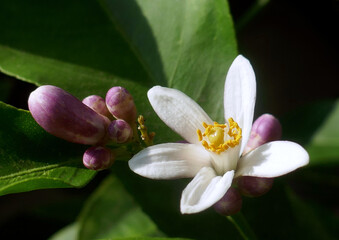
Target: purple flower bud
120 131
254 186
98 158
66 117
120 103
98 104
230 203
265 129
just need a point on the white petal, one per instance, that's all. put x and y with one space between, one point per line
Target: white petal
204 190
179 112
272 160
170 161
239 96
225 161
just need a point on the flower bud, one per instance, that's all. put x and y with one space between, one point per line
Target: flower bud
98 158
254 186
120 103
98 104
230 203
119 131
265 129
66 117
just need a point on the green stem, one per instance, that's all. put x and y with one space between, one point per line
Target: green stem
240 223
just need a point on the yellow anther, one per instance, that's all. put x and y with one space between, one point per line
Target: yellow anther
225 146
205 144
199 135
220 137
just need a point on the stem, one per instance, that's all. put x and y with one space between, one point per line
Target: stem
240 223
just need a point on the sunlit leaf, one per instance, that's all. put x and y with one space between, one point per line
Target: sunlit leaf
88 47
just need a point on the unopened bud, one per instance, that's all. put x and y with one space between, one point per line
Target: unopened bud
98 104
265 129
98 158
230 203
120 131
66 117
121 105
254 186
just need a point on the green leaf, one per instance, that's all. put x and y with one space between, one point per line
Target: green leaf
112 213
193 39
32 159
88 47
282 214
136 44
146 238
70 232
315 126
161 201
314 221
324 145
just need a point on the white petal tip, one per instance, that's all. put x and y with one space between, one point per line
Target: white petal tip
273 159
153 90
204 190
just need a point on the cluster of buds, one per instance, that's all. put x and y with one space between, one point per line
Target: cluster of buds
265 129
94 121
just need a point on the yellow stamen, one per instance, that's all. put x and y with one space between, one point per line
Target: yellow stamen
199 135
220 137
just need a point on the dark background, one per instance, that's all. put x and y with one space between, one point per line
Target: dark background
293 47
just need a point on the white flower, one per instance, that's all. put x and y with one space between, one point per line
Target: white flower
213 155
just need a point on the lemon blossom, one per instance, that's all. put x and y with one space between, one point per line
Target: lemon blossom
213 155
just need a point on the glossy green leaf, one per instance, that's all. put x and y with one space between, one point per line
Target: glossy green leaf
112 213
87 47
32 159
187 45
193 39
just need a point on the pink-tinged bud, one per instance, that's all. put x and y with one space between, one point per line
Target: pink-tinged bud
120 131
98 104
230 203
120 103
254 186
265 129
98 158
66 117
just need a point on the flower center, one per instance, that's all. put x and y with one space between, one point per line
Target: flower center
220 137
